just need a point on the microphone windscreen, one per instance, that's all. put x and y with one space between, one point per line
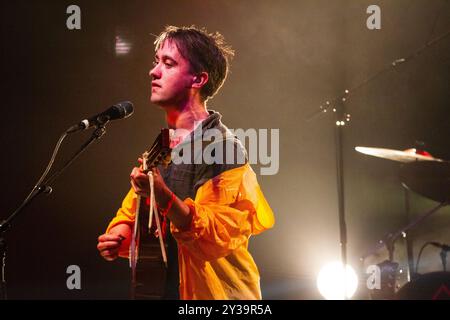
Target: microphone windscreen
122 110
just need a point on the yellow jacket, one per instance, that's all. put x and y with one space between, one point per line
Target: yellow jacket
213 257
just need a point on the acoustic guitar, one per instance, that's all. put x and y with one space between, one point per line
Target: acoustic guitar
148 259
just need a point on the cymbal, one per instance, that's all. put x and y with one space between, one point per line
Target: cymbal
405 156
430 179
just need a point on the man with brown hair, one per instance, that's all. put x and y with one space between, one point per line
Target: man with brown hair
213 209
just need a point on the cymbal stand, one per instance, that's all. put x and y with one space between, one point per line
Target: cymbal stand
411 274
392 237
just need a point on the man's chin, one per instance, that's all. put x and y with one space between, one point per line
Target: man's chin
155 100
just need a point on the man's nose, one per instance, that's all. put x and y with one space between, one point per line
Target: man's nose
154 72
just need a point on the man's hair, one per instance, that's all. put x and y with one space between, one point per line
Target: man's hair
206 52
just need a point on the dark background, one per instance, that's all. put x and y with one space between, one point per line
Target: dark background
291 56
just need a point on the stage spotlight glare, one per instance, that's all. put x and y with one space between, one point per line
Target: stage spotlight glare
332 279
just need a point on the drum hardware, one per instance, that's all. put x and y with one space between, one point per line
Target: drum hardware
388 276
429 286
443 254
427 176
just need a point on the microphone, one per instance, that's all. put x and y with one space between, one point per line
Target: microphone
441 246
118 111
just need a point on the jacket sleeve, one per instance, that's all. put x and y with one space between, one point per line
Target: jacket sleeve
226 211
125 214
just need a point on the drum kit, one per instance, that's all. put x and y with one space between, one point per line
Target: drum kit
429 177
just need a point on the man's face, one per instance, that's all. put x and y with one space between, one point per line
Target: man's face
171 76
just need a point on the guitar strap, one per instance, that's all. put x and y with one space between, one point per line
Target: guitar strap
154 207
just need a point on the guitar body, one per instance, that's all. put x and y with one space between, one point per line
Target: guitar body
148 249
151 271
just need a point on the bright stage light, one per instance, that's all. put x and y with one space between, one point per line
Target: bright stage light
331 281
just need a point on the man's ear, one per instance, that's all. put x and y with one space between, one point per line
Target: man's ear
199 80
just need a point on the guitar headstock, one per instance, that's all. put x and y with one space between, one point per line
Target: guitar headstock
159 153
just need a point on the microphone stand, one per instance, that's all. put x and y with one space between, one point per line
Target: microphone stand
340 123
40 188
341 119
